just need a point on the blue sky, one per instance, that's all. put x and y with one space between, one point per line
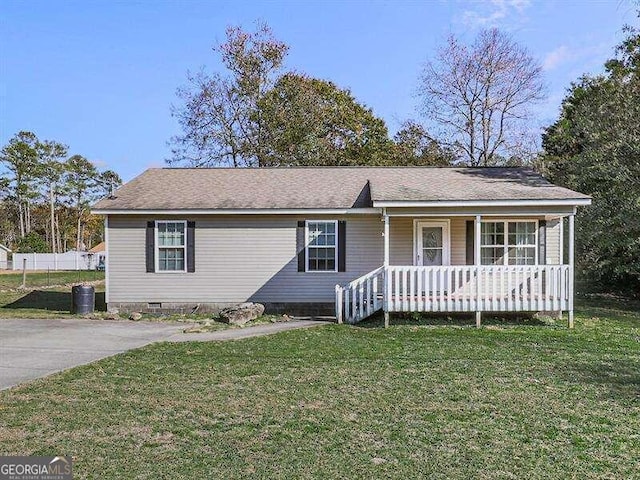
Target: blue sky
101 76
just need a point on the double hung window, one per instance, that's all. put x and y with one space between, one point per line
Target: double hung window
171 245
508 243
322 245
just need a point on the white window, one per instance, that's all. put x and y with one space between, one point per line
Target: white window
171 246
522 243
322 245
508 243
492 243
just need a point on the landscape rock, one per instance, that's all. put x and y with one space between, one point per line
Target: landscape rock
242 313
111 316
135 316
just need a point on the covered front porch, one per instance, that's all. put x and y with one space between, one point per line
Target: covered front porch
500 259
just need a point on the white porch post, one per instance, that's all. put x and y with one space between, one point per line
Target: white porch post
386 240
561 240
561 262
387 278
339 304
571 268
476 261
106 260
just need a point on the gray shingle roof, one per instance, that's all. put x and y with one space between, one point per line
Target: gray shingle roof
325 187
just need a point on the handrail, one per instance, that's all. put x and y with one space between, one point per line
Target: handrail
361 297
365 276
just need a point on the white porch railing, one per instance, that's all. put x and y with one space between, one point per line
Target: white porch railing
467 288
478 288
360 298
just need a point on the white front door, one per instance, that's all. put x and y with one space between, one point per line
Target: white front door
431 243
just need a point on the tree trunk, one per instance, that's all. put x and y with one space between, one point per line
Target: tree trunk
28 217
52 211
57 237
78 232
21 217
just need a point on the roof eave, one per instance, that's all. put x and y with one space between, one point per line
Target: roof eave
484 203
238 211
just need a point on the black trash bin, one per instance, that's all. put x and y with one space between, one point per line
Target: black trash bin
83 299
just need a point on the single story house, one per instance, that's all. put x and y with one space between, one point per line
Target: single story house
349 240
4 257
96 256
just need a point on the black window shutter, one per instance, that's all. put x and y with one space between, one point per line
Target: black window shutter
342 246
191 247
150 247
300 246
542 242
470 242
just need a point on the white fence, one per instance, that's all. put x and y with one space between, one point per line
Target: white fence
57 261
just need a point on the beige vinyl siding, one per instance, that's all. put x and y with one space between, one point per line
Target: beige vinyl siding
239 258
458 229
402 241
3 259
553 241
253 258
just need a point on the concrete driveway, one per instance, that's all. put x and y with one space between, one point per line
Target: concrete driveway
31 349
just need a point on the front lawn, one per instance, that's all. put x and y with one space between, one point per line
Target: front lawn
413 401
10 280
48 294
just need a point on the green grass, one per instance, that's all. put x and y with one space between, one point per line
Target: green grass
43 303
507 401
10 281
40 299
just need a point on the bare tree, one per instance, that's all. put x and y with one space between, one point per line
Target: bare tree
221 123
479 96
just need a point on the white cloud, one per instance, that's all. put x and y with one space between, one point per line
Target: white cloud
556 57
100 163
494 12
586 57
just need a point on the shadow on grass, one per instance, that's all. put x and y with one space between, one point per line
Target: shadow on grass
620 377
51 300
453 319
615 303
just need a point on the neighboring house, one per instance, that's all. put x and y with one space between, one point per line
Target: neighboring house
352 240
96 256
4 257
